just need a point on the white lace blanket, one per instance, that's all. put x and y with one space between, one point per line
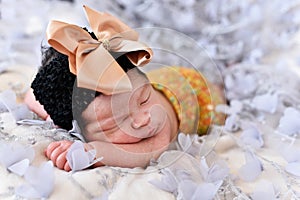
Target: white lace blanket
257 155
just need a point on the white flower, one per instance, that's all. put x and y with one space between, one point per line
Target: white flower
20 167
189 143
251 169
291 153
266 102
21 112
104 196
185 184
251 136
168 181
264 190
231 123
289 123
292 156
293 168
240 84
19 157
8 102
78 158
216 172
190 190
40 182
234 108
76 131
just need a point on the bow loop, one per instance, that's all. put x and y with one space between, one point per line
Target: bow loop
106 26
70 40
90 59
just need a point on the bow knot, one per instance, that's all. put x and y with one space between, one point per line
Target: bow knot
105 44
90 60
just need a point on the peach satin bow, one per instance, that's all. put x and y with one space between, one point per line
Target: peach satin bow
90 60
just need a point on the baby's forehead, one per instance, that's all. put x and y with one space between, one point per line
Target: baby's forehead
139 82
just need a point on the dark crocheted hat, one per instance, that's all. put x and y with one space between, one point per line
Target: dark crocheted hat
55 87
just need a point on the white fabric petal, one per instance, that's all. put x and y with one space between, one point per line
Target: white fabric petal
78 158
290 122
266 102
206 191
20 167
21 112
291 153
76 131
184 141
245 83
217 172
16 152
189 143
40 182
293 168
231 123
264 190
235 106
7 100
167 183
41 178
194 191
187 188
31 122
251 169
252 136
27 191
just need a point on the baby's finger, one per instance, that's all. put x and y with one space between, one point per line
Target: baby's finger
63 147
67 167
51 148
61 160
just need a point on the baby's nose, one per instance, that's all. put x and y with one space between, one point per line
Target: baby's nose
140 119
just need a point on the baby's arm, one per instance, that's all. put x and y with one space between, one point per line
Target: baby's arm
34 105
121 155
132 155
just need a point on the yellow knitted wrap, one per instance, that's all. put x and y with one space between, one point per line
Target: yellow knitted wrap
192 97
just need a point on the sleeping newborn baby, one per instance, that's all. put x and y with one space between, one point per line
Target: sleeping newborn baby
127 116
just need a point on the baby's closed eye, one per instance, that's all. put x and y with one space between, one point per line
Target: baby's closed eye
145 99
145 95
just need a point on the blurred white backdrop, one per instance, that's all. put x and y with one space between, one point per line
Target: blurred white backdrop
231 31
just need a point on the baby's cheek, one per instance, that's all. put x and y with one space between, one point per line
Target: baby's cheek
158 115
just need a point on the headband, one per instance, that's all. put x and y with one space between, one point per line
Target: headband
90 60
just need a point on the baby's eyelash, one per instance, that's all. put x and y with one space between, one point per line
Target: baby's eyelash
146 100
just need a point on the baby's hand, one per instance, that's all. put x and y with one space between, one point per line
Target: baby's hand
57 152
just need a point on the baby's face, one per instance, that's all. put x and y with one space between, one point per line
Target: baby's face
131 116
